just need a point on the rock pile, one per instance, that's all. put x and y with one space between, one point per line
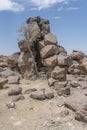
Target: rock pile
49 56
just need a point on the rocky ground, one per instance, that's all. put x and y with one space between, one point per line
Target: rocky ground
41 87
43 114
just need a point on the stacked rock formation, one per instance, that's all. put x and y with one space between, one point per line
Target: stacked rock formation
48 55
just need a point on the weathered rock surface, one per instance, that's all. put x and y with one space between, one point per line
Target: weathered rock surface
13 79
2 82
15 91
42 94
77 55
17 98
48 50
50 62
50 39
59 73
76 102
6 73
39 95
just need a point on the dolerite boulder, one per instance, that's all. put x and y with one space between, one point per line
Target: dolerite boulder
50 62
59 73
6 73
64 60
23 46
50 39
48 50
14 91
34 30
77 55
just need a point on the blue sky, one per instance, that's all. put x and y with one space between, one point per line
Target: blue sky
68 20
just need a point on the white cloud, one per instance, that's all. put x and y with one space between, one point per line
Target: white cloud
42 4
10 5
73 8
57 17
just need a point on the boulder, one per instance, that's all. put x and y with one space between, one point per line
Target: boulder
64 60
77 55
6 73
76 102
39 95
44 26
50 39
15 91
48 50
34 19
2 82
49 94
41 44
50 62
59 73
75 84
63 91
22 44
81 116
58 84
3 64
34 30
51 81
28 91
17 98
13 79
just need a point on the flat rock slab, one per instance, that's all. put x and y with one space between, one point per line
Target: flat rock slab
13 80
76 102
6 73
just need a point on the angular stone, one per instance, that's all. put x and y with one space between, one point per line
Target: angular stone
34 19
39 95
74 84
63 91
48 50
64 60
34 30
49 94
28 91
6 73
15 91
17 98
50 39
81 116
23 46
50 62
2 82
76 102
60 84
3 64
51 81
59 73
41 44
77 55
13 79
